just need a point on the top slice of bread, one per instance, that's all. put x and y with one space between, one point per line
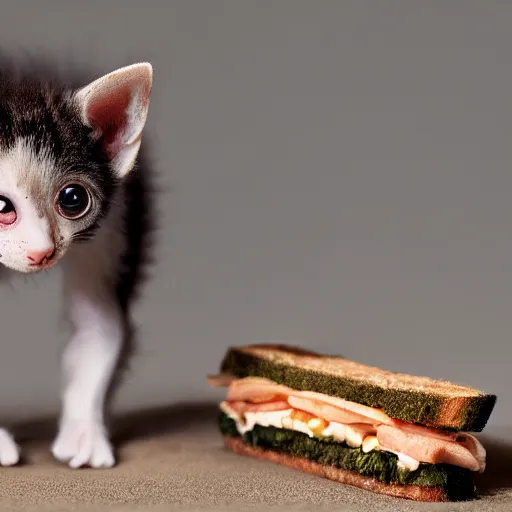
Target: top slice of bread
420 400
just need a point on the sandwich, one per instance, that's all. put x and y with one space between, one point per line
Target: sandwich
382 431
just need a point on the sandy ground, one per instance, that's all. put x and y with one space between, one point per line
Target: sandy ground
173 459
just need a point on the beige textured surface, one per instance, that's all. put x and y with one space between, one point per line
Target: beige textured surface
174 460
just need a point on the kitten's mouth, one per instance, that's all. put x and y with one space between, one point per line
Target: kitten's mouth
43 265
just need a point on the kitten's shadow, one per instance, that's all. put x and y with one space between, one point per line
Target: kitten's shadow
181 417
129 426
163 420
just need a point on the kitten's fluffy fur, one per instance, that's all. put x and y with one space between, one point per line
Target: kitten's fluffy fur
54 136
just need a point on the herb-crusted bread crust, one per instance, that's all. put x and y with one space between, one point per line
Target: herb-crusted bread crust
412 492
420 400
377 470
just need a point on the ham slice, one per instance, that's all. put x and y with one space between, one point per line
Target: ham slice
425 431
258 389
424 444
426 448
475 447
376 415
243 407
327 411
469 441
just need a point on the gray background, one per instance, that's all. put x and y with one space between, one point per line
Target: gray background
335 174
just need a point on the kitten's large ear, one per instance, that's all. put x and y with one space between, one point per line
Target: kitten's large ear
115 106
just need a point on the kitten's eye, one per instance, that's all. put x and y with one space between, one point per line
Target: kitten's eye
7 211
73 201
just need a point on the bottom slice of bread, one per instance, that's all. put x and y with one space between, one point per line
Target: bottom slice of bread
412 492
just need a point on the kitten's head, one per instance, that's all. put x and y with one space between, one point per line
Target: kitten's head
63 153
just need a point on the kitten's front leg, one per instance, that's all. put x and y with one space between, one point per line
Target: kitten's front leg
89 360
9 450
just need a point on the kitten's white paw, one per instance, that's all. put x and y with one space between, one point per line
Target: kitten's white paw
9 451
83 443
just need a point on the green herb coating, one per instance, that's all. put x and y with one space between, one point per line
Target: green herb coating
457 482
407 405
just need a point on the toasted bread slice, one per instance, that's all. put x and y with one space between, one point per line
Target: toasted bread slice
421 400
411 492
376 470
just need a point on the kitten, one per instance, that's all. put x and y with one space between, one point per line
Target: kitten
73 190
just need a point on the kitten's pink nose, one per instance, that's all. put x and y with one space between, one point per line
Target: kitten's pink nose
38 257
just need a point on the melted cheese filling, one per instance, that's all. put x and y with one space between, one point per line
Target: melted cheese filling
291 419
